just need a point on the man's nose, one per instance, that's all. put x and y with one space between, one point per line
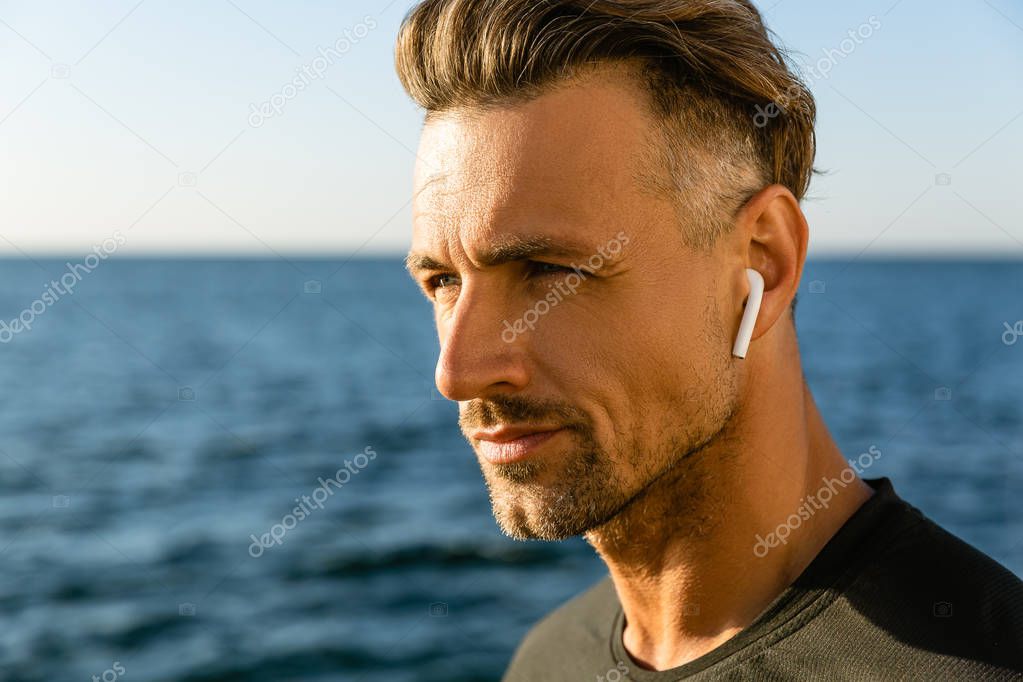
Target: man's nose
478 353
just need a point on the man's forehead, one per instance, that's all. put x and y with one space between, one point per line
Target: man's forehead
498 236
564 165
596 128
504 205
434 178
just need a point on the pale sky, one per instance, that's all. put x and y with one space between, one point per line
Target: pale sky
136 117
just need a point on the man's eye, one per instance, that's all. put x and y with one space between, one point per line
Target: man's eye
538 269
442 281
533 269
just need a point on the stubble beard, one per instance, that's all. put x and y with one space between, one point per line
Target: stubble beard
584 492
588 496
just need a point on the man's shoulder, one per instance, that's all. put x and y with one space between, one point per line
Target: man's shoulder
582 619
929 556
576 630
908 596
934 591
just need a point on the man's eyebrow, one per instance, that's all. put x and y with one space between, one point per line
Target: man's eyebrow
510 250
416 262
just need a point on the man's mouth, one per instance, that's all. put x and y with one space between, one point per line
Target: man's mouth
506 445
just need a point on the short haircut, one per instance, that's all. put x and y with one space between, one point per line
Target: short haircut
735 116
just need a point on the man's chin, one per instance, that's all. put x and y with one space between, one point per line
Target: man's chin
559 494
522 521
526 506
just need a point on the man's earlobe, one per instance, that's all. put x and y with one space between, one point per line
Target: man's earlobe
749 317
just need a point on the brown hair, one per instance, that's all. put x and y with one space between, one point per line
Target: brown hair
709 66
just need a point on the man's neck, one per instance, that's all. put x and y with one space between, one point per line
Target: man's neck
683 556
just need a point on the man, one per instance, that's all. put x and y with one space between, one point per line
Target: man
594 180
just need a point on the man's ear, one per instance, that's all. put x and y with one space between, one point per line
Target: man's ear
775 237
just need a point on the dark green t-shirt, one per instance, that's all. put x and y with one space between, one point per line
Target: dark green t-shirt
892 596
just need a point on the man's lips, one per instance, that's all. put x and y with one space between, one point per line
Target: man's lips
511 444
503 434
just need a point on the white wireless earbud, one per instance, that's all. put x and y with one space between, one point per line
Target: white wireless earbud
749 317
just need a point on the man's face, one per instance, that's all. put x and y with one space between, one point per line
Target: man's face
624 362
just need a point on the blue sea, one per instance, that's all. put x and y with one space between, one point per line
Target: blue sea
167 412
